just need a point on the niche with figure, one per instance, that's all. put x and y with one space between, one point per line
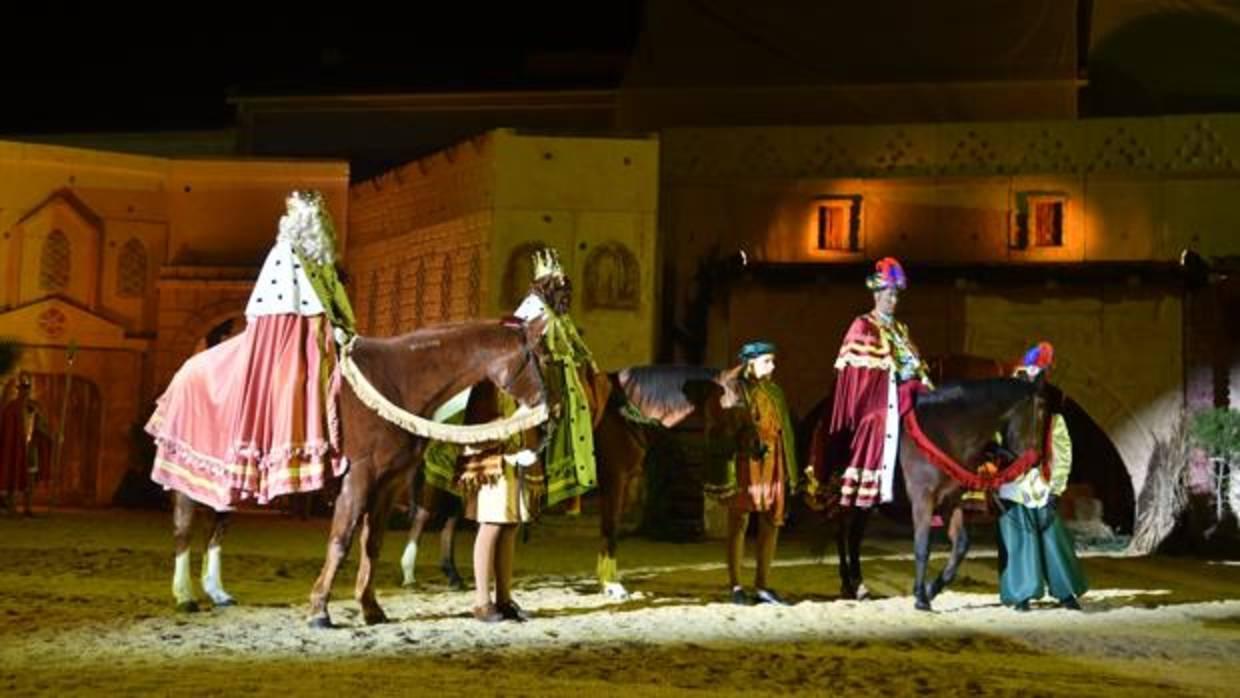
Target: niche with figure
612 278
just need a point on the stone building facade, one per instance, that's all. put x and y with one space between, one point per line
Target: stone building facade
124 263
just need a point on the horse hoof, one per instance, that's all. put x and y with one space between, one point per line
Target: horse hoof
188 607
454 578
224 603
923 605
323 622
862 593
616 590
375 618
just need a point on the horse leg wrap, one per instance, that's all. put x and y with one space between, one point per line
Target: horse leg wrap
606 569
407 560
182 589
212 579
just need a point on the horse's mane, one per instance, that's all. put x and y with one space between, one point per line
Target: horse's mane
666 393
955 410
971 393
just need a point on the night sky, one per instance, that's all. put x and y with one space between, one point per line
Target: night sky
110 74
175 69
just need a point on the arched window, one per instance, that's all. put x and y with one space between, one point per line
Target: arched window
394 302
475 285
54 262
445 289
419 294
131 270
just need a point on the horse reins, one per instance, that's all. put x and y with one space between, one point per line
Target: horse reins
958 472
529 358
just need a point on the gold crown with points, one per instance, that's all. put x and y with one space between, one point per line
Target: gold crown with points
546 263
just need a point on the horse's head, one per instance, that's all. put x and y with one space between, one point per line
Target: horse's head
730 381
1025 423
519 370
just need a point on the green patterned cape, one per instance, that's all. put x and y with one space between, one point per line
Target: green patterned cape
569 458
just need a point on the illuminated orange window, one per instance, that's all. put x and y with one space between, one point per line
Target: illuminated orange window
1047 223
836 224
1039 220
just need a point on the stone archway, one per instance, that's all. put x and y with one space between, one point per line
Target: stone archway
1119 358
219 330
189 336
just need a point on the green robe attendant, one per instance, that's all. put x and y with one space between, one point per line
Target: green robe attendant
1036 551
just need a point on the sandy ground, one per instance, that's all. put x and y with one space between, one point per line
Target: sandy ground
85 608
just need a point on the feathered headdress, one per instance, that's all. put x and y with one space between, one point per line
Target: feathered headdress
1040 357
887 274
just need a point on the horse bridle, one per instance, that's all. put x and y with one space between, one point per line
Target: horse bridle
528 358
548 427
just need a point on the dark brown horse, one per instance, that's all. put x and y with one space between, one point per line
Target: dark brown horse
416 372
962 419
665 396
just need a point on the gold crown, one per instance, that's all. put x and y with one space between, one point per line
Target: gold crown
546 263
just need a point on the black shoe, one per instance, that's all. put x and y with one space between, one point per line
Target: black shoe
511 611
1070 603
1023 607
739 597
768 596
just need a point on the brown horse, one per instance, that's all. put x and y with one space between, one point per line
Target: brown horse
962 420
665 396
416 372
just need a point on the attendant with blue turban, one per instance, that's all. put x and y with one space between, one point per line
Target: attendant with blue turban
753 465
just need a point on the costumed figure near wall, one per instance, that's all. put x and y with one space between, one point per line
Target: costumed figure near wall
25 446
504 490
251 418
1036 551
878 370
752 467
254 417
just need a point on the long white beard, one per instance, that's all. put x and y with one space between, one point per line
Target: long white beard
304 232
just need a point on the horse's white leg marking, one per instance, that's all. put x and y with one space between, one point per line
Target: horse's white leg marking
212 581
182 590
407 559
